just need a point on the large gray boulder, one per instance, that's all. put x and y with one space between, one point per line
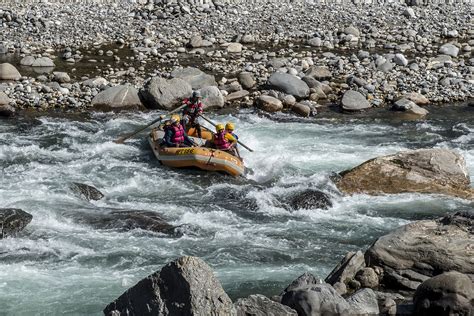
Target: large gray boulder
259 305
9 72
195 77
122 97
212 98
354 101
27 61
319 299
450 293
301 109
12 221
186 286
346 270
160 93
364 302
289 84
43 62
269 104
415 252
434 170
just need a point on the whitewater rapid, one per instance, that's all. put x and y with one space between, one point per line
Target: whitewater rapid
242 227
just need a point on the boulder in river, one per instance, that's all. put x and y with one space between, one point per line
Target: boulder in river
259 305
247 80
434 170
195 77
346 270
86 191
310 199
364 302
450 293
288 84
123 220
301 109
122 97
12 221
160 93
9 72
409 107
27 61
186 286
415 252
354 101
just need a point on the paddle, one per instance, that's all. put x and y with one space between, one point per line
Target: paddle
122 139
211 122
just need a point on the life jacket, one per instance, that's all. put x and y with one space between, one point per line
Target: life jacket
220 141
192 109
178 133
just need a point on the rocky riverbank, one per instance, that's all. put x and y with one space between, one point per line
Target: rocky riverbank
439 283
299 57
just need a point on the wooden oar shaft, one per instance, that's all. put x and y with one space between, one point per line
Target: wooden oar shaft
239 142
125 137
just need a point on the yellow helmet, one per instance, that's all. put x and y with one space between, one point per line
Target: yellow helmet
229 126
175 118
219 127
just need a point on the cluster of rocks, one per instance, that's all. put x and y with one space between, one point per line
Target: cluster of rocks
418 260
355 56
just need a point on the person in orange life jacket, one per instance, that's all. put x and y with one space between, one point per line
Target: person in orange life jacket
223 140
191 113
175 136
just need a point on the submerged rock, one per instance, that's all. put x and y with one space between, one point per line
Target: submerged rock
424 171
12 221
310 199
186 286
259 305
123 220
450 293
86 191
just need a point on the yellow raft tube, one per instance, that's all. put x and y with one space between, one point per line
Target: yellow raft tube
201 157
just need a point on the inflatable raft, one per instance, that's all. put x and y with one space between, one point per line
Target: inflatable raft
199 157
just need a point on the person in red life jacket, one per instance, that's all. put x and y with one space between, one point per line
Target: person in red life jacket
223 140
175 136
191 113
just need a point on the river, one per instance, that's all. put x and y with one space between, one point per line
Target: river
241 227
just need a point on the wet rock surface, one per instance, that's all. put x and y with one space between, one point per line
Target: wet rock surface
310 199
424 171
86 191
186 286
13 221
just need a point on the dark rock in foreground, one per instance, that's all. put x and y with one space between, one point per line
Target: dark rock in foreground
86 191
259 305
310 199
423 171
186 286
12 221
450 293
